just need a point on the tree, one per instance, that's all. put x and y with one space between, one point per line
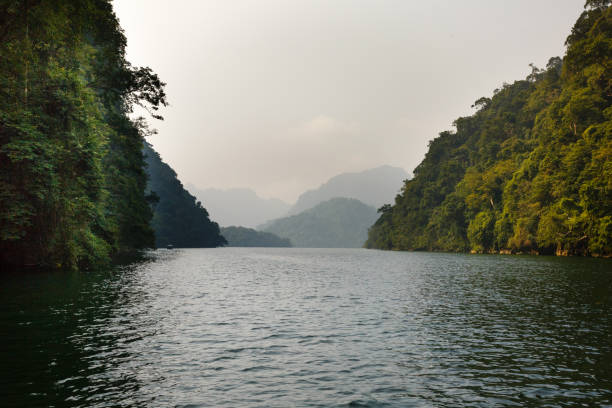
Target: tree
531 170
72 181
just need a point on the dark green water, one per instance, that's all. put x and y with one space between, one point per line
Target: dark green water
255 327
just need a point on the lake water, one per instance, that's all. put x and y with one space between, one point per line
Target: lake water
234 327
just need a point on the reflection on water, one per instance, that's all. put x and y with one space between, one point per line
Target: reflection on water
310 327
65 337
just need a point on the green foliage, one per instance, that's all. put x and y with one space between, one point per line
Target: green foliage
72 181
178 219
248 237
480 231
531 170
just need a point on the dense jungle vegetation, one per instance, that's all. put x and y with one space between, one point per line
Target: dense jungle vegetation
178 219
72 185
530 171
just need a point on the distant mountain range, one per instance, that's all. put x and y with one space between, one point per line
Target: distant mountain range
373 187
239 206
243 207
336 223
248 237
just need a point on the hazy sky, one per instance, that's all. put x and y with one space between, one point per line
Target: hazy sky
280 95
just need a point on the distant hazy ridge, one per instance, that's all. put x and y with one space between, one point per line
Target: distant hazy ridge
336 223
248 237
373 187
240 206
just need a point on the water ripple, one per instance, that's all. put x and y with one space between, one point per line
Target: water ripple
311 328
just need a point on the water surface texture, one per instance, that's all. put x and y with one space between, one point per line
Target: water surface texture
233 327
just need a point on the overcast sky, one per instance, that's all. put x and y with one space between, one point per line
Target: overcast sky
280 95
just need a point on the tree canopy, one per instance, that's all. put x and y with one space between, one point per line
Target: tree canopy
72 186
530 171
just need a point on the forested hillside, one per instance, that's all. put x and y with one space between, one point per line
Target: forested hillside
72 185
178 218
530 171
336 223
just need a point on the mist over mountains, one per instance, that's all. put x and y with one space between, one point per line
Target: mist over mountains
337 223
239 206
373 187
248 237
243 207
